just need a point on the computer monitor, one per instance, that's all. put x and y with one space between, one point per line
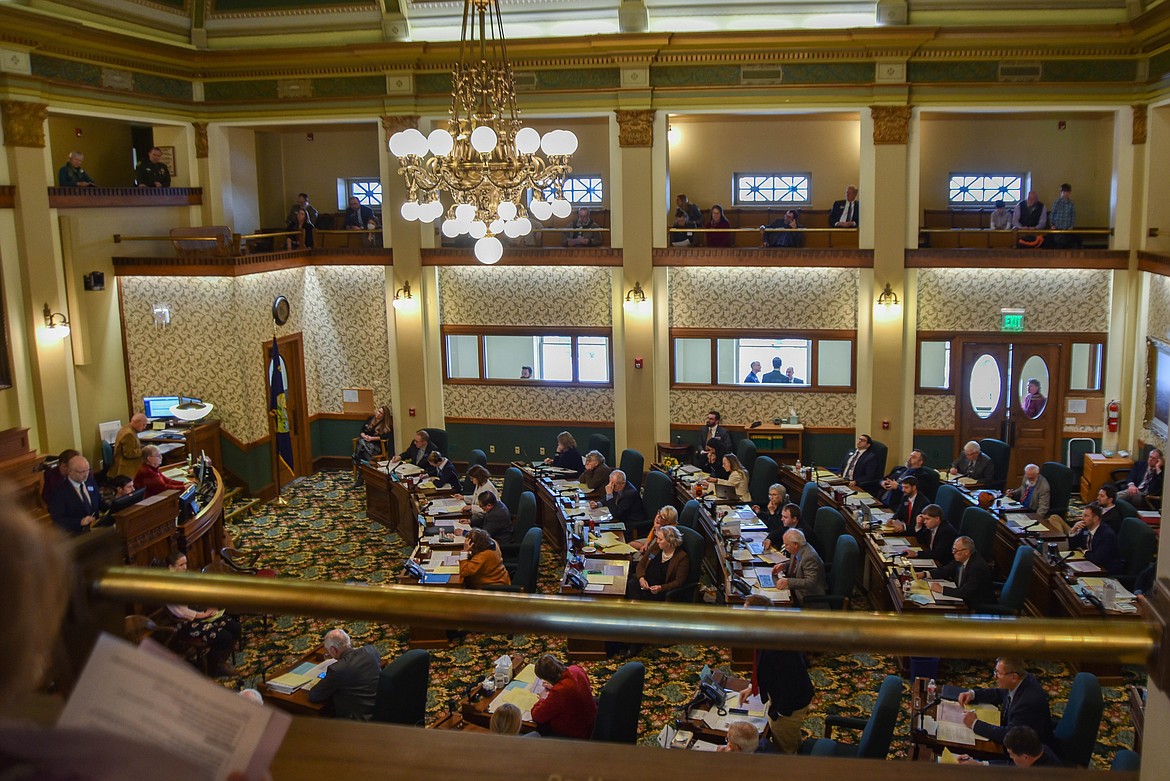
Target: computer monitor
157 407
189 502
122 502
201 468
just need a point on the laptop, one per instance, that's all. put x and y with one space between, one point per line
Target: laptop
725 492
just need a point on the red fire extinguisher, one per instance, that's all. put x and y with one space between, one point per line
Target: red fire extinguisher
1113 414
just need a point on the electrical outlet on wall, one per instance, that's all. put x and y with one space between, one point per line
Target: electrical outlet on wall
542 451
517 450
491 448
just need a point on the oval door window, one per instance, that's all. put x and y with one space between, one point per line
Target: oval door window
985 387
1033 384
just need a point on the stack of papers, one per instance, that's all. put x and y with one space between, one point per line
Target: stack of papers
517 693
300 676
445 506
407 469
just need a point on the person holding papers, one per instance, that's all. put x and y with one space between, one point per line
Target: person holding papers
667 516
804 572
220 631
482 481
737 476
622 500
352 681
568 457
1096 539
974 464
935 535
483 566
664 567
496 519
443 471
1021 699
596 474
969 572
420 448
566 708
1034 493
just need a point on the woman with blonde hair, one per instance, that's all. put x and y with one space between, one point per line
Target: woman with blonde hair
506 720
737 477
667 516
568 456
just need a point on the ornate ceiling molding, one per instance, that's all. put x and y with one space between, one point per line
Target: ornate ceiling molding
23 123
635 128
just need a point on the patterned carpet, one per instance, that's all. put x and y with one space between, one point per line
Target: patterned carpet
323 534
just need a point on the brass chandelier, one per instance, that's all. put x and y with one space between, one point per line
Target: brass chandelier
485 160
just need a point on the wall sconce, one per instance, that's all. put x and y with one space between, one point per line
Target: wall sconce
888 297
160 315
56 323
636 300
403 300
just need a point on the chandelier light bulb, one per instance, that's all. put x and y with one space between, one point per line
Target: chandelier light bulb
506 210
483 139
409 211
413 142
527 141
451 228
429 212
465 213
496 227
477 229
570 142
397 145
561 207
513 229
541 210
440 142
488 250
525 226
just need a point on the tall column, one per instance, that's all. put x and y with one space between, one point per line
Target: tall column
50 359
882 356
635 401
203 163
406 325
1126 355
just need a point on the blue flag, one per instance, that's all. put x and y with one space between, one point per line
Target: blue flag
278 403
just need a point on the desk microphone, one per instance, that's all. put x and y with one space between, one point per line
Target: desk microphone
922 712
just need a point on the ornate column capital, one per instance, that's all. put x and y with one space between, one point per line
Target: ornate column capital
200 139
635 128
1139 124
393 124
891 124
24 123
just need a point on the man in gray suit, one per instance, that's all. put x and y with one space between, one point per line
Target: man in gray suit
351 681
804 572
1034 493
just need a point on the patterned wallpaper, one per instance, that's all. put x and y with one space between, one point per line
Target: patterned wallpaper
953 299
525 295
739 407
788 298
931 411
521 403
213 347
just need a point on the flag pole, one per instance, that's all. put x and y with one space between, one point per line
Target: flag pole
279 501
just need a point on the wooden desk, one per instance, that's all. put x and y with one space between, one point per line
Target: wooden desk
708 734
684 454
202 536
298 702
148 528
1097 470
390 502
927 747
471 713
20 467
1137 713
429 637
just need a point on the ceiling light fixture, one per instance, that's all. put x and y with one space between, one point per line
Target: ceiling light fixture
485 160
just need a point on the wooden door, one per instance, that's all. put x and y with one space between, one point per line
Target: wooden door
1034 431
983 391
292 354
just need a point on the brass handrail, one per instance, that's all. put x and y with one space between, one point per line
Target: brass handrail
1126 642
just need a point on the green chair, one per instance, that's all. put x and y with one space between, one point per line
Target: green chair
1000 453
438 439
827 530
1061 481
402 690
1126 759
527 567
1015 588
809 497
1138 544
764 473
694 544
525 521
1126 509
843 574
513 486
746 452
952 503
478 458
1075 734
619 705
658 493
601 443
633 464
979 525
689 515
877 730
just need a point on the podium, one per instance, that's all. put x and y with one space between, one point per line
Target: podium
148 528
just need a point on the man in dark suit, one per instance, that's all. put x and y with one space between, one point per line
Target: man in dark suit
1096 539
1110 512
861 466
969 573
420 448
935 535
714 430
496 519
1021 699
915 467
913 503
76 503
623 501
351 682
782 681
846 213
776 375
975 464
1144 481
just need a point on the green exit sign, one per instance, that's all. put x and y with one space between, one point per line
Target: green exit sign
1012 319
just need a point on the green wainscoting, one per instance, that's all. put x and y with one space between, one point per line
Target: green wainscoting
462 438
252 467
940 450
